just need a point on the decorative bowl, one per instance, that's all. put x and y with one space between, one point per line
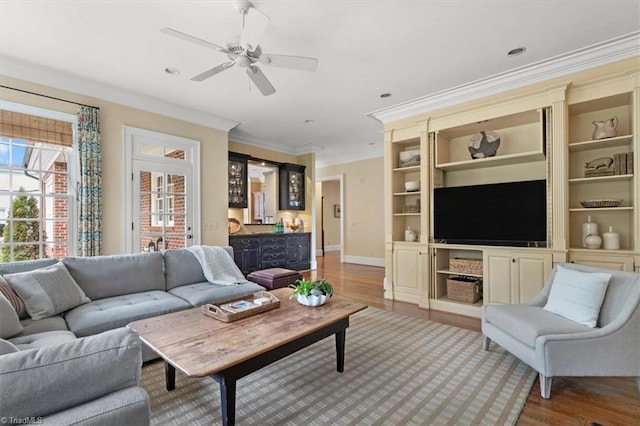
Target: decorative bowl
594 204
312 300
412 186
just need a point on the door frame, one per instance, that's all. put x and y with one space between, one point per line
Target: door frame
340 178
190 146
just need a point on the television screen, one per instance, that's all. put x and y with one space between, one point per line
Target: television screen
513 213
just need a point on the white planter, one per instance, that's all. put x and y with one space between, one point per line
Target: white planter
312 300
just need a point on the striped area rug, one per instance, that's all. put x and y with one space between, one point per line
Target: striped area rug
398 370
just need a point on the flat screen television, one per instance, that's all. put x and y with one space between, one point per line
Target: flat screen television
503 214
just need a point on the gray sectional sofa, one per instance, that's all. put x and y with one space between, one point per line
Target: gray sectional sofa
113 291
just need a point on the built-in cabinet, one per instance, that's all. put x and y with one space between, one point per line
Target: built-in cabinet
546 134
238 192
254 252
292 183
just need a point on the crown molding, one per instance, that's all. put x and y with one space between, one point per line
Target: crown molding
22 70
246 138
599 54
337 156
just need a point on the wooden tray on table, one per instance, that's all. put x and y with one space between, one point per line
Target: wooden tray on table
241 307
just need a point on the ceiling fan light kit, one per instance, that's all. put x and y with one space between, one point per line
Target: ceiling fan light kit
245 50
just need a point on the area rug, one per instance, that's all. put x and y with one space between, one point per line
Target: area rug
398 370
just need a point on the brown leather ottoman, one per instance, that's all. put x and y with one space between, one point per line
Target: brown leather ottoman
274 278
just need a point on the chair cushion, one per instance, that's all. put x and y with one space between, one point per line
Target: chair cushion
53 323
113 312
577 295
526 323
47 291
9 321
206 292
41 340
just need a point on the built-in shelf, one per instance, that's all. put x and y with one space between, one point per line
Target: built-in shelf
601 143
477 304
499 160
601 179
448 272
625 252
407 193
407 214
600 209
410 169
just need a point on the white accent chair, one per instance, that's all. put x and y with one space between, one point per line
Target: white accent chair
556 346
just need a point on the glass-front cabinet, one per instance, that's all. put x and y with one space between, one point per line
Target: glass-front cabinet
292 183
238 180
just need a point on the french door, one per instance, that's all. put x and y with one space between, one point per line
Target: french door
164 211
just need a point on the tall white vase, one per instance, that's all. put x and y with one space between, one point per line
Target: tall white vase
588 228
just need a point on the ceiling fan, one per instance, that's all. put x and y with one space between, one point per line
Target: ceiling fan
245 51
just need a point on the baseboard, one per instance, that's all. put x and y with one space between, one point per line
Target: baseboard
336 247
319 253
361 260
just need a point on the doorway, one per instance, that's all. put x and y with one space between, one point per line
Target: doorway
331 214
163 211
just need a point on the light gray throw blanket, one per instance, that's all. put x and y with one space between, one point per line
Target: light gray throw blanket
218 267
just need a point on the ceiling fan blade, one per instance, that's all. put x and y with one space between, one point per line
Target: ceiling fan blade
260 80
292 62
183 36
255 24
213 71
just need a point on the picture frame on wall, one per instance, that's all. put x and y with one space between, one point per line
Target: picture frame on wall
336 210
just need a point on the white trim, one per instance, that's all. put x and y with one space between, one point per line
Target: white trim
318 251
240 136
337 157
40 112
336 247
361 260
599 54
192 148
340 178
16 68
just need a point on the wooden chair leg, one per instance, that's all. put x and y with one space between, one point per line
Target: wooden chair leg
486 343
545 386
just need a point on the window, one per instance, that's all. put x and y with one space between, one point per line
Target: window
36 201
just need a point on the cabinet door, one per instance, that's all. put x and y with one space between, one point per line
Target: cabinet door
532 272
292 183
238 194
246 253
602 260
498 282
407 274
298 251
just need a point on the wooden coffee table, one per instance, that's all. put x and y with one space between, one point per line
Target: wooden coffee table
201 346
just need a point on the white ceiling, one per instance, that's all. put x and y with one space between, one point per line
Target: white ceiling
408 48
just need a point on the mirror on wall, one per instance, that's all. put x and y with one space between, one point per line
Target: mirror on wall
262 193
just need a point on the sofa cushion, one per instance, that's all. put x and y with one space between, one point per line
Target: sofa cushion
9 321
54 323
47 291
577 295
12 297
6 347
108 276
181 268
206 292
40 340
118 311
25 265
527 323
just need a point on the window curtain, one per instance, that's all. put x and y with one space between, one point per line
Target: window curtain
90 184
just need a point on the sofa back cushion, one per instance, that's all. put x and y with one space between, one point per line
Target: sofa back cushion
115 275
25 265
623 290
182 268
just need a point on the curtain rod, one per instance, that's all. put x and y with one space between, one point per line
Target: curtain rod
47 96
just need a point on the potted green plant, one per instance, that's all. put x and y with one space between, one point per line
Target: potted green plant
311 292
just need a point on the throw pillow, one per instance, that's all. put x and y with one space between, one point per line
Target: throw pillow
47 291
577 295
9 321
12 297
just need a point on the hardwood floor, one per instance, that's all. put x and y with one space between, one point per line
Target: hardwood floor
574 400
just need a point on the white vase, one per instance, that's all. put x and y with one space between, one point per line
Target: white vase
611 240
588 228
312 300
593 241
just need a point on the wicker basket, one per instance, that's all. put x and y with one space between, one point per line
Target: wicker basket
462 289
465 266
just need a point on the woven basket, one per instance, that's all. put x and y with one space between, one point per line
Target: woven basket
462 290
465 266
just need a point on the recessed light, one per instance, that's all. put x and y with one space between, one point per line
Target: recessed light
172 71
385 95
517 51
308 121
